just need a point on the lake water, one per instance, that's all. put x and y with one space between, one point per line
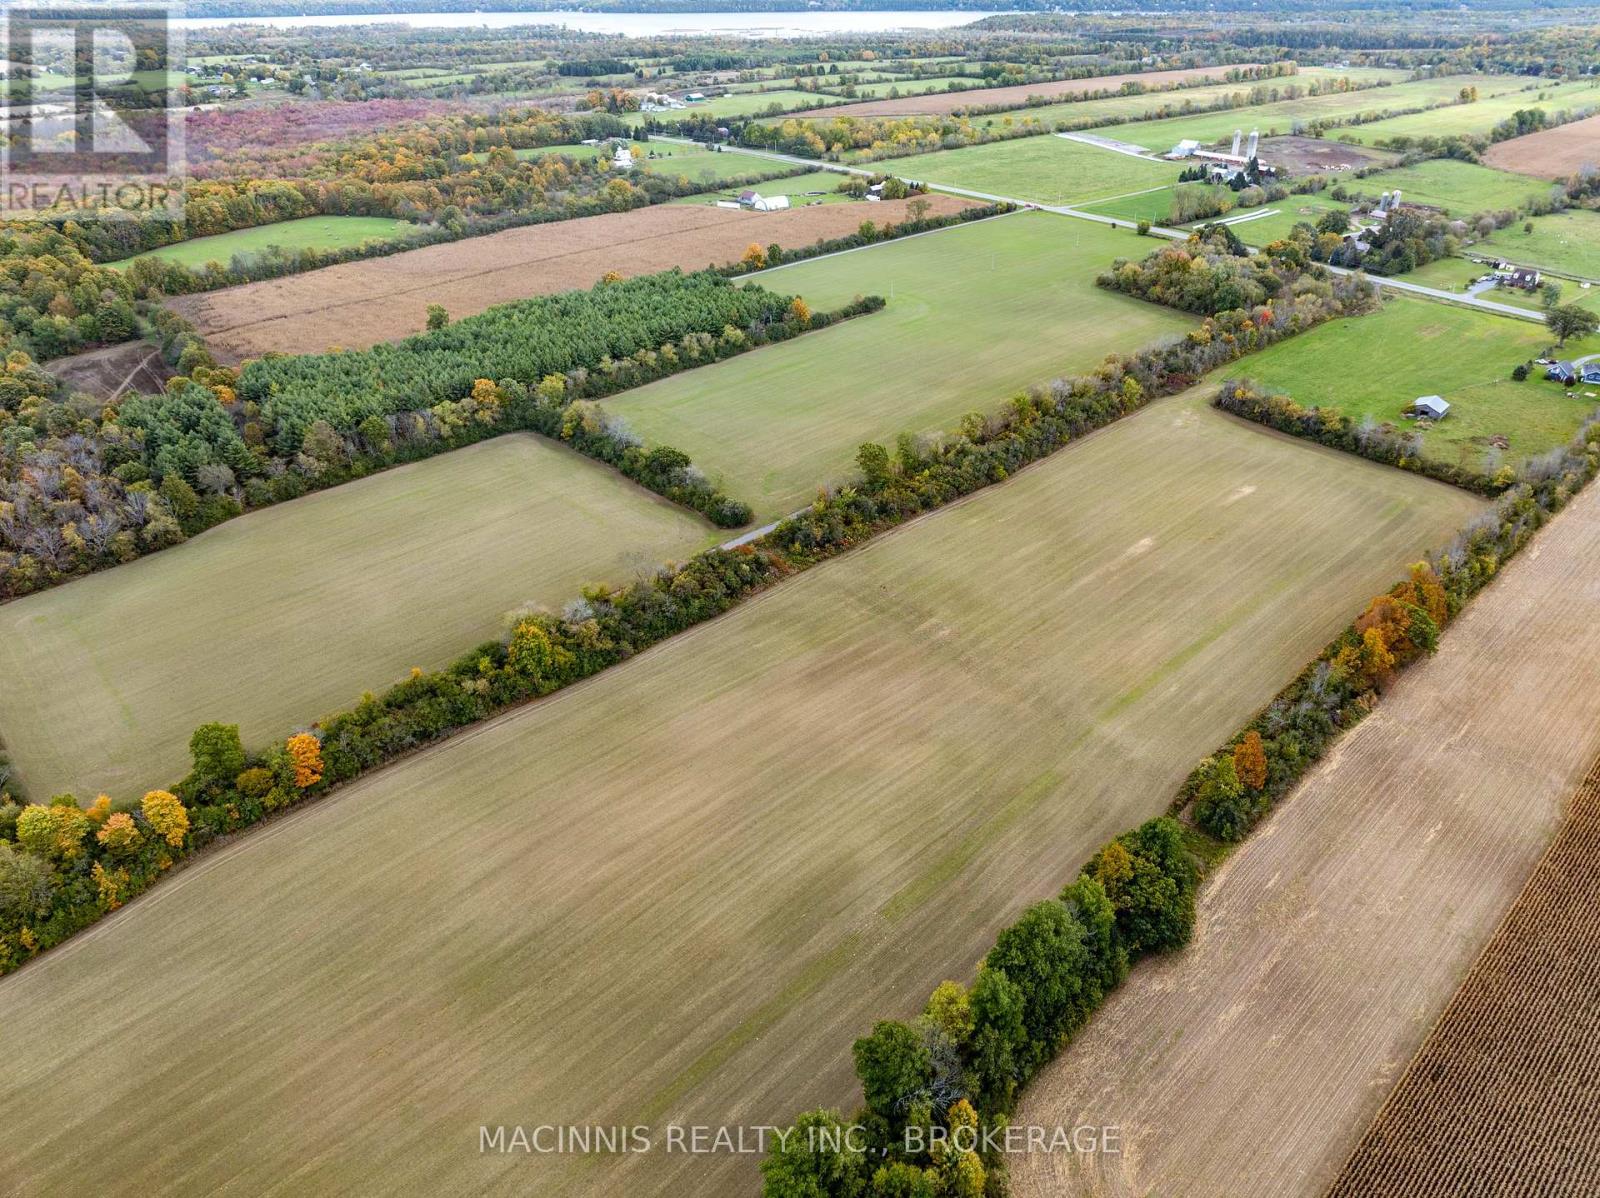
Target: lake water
645 24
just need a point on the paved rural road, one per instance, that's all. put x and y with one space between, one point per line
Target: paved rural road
1449 297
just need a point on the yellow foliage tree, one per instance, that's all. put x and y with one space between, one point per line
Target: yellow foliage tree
800 312
305 751
754 257
166 815
55 833
99 810
1376 660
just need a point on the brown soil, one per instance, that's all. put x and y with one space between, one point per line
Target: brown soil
1310 155
1250 1063
358 304
1501 1098
110 372
944 103
1551 154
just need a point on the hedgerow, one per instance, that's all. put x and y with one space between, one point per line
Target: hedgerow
1345 681
545 652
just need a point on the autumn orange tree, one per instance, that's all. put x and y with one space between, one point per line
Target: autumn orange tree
1250 760
305 751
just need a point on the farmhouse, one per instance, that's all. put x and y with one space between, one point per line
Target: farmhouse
1525 277
1432 407
1569 373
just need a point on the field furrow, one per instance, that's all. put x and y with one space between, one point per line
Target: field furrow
1326 946
676 892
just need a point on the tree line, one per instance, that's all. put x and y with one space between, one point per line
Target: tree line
547 651
1233 788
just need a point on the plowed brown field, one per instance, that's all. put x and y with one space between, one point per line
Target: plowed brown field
942 103
358 304
1551 154
1329 942
1502 1097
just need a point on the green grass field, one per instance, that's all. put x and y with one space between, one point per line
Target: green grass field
677 892
975 313
275 619
741 104
1565 242
702 165
1482 116
1457 274
799 189
1153 206
308 233
1460 188
1376 365
1270 222
1283 116
1045 169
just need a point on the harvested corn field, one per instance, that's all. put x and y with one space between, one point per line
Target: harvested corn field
1502 1092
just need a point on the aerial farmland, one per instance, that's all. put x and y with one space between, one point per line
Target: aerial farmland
814 602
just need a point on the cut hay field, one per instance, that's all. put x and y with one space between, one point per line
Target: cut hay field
1550 153
279 617
307 233
1377 364
1501 1093
1250 1063
1482 116
1160 105
676 892
1284 116
943 103
358 304
1044 168
975 314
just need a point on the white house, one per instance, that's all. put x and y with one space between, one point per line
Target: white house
770 203
622 159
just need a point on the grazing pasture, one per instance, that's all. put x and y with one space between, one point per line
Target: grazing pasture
281 616
358 304
1460 188
1565 243
1511 1055
1376 365
1249 1063
291 236
675 892
1286 115
1484 115
1045 169
975 313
